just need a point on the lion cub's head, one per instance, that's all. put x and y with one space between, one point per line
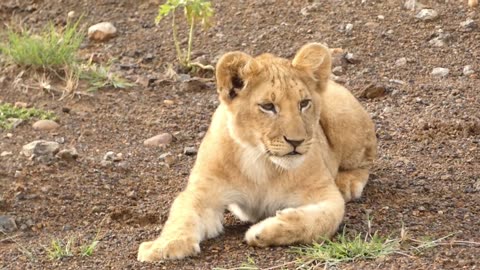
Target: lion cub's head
273 103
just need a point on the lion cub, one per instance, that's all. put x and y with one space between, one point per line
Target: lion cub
283 147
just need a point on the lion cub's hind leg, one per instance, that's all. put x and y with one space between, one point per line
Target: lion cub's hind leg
351 183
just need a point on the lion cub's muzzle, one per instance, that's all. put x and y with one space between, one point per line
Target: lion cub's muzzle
287 147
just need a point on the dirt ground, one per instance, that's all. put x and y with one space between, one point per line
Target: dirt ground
427 176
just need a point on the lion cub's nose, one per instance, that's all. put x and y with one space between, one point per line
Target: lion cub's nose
294 143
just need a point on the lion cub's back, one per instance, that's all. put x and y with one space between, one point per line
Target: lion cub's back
348 127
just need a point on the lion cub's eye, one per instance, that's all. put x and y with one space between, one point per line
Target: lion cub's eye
305 104
267 107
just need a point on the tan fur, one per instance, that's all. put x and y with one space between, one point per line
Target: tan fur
244 165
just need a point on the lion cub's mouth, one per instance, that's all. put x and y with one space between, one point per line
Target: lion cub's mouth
294 153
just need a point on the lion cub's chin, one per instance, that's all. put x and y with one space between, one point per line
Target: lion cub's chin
288 162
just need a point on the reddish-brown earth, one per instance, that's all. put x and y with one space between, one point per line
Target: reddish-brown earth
427 176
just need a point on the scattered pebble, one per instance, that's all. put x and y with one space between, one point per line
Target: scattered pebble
7 224
68 154
71 14
348 28
373 91
168 102
167 158
159 140
40 148
401 61
190 151
19 104
6 153
338 70
410 4
427 14
15 122
381 17
102 31
440 72
467 70
440 40
111 156
469 24
310 8
193 85
45 125
351 58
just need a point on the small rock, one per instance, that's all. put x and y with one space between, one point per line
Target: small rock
440 72
168 158
183 77
144 81
401 61
351 58
427 14
168 102
381 17
40 148
19 104
469 24
311 8
71 14
7 224
45 125
102 31
68 154
132 194
106 163
338 70
440 40
467 70
410 4
373 91
190 151
348 29
118 157
6 153
193 85
15 122
109 156
159 140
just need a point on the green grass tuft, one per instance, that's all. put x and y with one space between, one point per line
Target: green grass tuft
58 249
344 249
87 250
8 112
50 49
101 77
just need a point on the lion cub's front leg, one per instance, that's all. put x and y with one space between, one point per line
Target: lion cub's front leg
196 214
317 219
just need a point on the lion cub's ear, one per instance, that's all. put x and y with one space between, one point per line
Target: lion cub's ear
315 59
232 72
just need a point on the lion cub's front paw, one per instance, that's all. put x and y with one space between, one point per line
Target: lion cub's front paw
167 249
276 231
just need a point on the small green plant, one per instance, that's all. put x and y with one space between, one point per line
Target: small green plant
9 112
49 50
346 249
196 12
101 76
58 249
87 250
